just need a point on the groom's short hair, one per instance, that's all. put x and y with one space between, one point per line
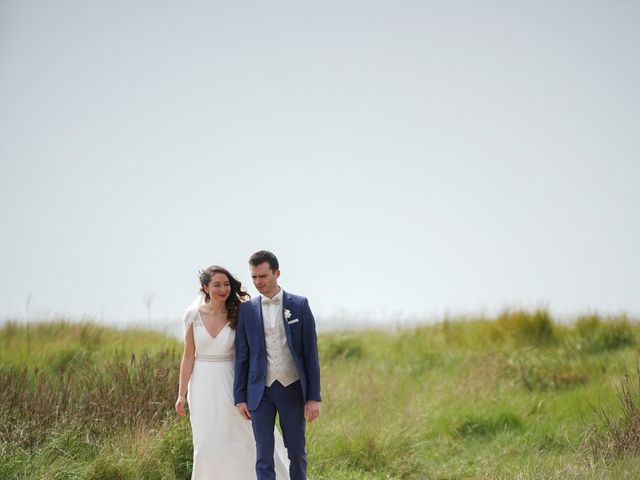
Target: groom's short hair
262 256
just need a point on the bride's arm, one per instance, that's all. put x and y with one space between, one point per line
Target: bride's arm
186 367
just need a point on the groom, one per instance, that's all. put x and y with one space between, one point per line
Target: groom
277 367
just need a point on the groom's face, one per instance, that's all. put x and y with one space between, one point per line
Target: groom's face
265 279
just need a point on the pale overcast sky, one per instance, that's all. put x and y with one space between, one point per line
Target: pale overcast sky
400 157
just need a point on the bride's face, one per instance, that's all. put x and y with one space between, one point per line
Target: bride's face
219 287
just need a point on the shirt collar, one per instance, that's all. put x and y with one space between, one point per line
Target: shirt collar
277 295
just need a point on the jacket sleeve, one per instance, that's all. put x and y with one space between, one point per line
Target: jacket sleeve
242 359
311 360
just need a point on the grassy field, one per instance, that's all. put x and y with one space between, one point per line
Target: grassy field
512 397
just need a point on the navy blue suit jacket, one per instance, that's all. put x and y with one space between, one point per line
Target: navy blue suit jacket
251 350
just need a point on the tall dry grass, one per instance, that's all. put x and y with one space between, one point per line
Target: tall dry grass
619 435
75 393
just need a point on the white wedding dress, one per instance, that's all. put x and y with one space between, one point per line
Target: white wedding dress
223 443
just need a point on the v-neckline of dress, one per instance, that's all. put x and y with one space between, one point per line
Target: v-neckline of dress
204 325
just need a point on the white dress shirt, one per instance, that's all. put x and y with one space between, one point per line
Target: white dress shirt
272 313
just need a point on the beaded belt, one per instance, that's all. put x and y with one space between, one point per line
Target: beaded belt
214 358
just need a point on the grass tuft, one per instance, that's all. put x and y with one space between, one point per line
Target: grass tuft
599 336
621 434
536 369
524 327
488 426
176 448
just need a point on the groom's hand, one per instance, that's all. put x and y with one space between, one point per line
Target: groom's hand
311 410
244 410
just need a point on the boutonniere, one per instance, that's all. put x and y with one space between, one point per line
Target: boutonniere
287 313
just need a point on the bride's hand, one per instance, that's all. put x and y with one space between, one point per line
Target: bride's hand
180 406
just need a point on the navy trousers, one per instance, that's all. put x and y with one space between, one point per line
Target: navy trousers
287 403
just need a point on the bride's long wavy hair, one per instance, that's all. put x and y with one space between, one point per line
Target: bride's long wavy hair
235 298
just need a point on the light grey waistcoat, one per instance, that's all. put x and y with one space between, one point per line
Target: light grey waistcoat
280 364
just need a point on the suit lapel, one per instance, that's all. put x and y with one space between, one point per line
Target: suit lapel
286 305
257 308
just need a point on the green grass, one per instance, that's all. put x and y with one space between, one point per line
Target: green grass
58 343
515 397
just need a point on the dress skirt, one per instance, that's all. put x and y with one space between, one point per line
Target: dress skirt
223 442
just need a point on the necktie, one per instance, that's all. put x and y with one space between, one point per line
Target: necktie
272 301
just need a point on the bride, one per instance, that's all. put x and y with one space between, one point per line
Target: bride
223 443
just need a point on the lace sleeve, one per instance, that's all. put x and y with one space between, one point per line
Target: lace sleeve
191 313
187 320
188 317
